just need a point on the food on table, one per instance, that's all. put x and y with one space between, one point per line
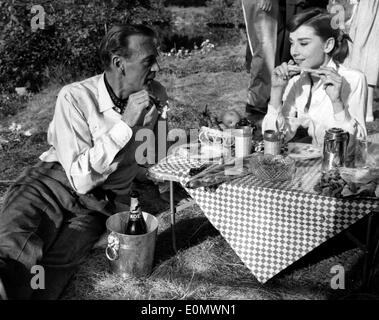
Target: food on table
223 126
356 175
303 151
243 122
201 151
197 170
209 136
219 173
331 184
230 118
347 182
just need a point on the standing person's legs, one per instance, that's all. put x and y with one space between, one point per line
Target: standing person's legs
248 57
261 29
370 104
3 294
281 34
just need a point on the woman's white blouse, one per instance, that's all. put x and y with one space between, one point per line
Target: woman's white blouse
320 116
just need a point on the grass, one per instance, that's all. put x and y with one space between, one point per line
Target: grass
205 266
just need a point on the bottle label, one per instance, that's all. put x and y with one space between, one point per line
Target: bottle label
135 216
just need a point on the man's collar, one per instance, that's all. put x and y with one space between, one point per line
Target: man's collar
105 101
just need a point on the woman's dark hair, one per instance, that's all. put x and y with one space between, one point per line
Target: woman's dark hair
116 41
322 22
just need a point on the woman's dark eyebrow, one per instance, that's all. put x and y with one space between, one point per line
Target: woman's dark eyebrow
300 39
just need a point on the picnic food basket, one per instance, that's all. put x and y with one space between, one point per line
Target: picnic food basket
210 136
272 168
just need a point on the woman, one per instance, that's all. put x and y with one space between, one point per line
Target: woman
314 91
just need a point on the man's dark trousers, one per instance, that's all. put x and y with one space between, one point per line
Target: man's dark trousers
44 222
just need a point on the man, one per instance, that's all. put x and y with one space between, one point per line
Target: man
56 210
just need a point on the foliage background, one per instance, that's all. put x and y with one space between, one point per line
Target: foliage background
67 47
68 44
185 3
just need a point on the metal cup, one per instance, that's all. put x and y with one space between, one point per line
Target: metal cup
336 141
243 141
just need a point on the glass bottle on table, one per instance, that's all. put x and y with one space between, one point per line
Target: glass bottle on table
136 224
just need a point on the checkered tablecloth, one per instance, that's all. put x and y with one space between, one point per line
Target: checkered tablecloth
270 225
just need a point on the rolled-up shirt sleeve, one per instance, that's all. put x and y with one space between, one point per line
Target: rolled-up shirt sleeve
87 161
354 94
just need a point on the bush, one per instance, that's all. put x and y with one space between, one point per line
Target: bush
11 104
72 34
185 3
23 60
225 13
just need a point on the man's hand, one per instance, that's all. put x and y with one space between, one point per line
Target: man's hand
135 109
151 117
265 5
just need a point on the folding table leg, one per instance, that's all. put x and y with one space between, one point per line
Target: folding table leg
173 212
367 263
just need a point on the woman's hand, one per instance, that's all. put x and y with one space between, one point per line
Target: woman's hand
279 80
332 83
283 73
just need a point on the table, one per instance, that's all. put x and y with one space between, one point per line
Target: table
270 225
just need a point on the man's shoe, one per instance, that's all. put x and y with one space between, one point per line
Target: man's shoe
3 294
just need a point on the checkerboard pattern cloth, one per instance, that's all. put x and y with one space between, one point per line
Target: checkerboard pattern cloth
270 225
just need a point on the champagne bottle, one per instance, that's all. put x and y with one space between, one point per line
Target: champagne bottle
136 224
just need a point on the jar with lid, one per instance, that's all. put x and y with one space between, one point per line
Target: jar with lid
272 142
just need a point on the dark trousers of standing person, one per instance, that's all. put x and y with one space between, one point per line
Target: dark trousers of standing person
261 30
45 223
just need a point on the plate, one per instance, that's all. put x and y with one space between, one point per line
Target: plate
303 151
